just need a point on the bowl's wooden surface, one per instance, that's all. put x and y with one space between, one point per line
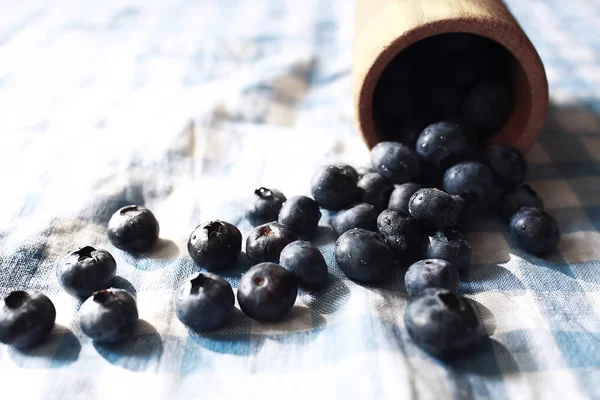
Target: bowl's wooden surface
383 28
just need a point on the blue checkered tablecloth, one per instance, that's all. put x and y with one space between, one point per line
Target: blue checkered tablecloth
186 107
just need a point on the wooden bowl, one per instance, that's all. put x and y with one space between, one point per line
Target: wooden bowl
384 28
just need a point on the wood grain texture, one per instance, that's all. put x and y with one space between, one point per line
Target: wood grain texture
386 27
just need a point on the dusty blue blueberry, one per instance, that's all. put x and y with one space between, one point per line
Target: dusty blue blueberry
507 164
109 315
359 216
133 229
443 323
441 145
375 189
266 241
86 270
364 256
215 245
301 214
402 233
267 292
450 245
535 230
434 208
335 186
264 206
306 262
521 196
431 273
471 180
396 161
204 302
26 318
401 195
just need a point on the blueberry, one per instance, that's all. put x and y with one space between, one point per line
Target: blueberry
204 302
434 207
375 190
396 161
215 245
535 230
521 196
26 319
401 195
362 171
266 241
441 145
264 206
442 323
471 180
335 186
86 270
306 262
402 233
267 292
301 214
450 245
431 273
488 106
362 216
133 229
109 315
508 165
363 256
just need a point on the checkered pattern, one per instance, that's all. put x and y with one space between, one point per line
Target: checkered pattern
186 107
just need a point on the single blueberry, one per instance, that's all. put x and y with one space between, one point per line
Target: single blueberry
402 233
488 106
441 145
433 207
215 245
204 302
364 256
86 270
109 315
535 230
301 214
306 262
431 273
362 216
26 318
443 323
133 229
264 206
335 186
396 161
267 292
450 245
508 165
471 180
401 195
266 241
521 196
375 190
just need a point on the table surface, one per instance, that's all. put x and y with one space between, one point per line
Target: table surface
188 106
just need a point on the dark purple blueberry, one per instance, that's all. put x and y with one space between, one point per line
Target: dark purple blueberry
363 256
401 195
396 161
402 233
266 241
109 315
441 145
433 207
443 323
306 262
450 245
431 273
26 319
471 180
267 292
86 270
133 229
362 216
488 106
375 190
301 214
264 206
335 186
535 230
521 196
204 302
508 165
215 245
